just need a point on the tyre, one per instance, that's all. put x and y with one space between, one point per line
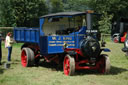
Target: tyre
27 57
104 64
69 65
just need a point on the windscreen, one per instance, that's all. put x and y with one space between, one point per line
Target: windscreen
63 25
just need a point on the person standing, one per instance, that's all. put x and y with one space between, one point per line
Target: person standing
8 44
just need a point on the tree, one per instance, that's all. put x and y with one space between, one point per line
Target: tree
24 13
119 9
103 7
105 23
75 5
111 10
57 6
6 15
27 12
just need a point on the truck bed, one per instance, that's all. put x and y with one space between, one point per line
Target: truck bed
26 35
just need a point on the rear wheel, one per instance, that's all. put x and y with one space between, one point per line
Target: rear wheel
69 65
27 57
104 64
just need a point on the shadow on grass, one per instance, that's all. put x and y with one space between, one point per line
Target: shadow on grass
85 72
113 71
16 62
116 70
51 65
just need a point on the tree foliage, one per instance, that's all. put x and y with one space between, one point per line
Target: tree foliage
111 10
6 15
105 23
75 5
102 7
26 13
57 6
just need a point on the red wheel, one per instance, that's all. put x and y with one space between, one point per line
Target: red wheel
115 39
104 64
27 57
69 65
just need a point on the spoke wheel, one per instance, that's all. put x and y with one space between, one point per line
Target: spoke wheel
104 64
69 65
27 57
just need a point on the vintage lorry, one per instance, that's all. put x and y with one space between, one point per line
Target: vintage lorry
66 38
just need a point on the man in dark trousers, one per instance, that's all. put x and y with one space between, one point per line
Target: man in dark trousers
0 48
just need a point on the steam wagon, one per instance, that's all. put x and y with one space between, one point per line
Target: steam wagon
67 38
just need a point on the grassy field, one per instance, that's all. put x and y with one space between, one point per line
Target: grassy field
45 75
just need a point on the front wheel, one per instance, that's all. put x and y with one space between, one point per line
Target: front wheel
104 64
69 65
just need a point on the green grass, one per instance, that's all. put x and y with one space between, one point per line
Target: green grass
43 75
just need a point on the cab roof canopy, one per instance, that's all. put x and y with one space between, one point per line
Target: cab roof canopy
64 14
